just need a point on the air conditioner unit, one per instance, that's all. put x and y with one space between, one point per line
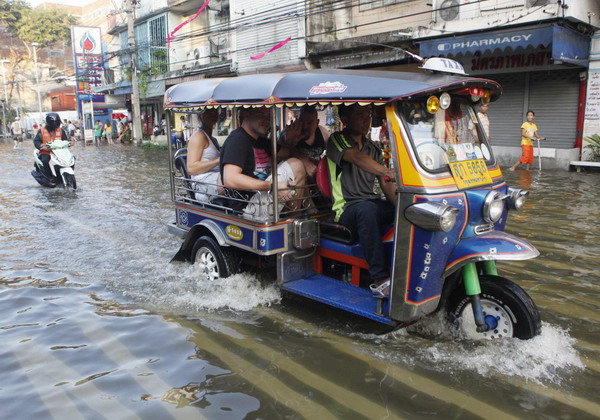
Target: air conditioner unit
197 56
218 45
446 10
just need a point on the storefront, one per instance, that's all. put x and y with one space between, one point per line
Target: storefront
542 68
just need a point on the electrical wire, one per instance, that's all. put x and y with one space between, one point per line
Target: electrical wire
262 18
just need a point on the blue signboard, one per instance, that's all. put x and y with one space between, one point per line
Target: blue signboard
567 45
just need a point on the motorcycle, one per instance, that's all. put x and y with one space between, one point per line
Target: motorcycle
62 165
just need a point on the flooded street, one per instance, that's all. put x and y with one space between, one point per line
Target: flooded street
95 322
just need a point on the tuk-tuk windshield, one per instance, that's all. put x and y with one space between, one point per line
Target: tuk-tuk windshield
449 135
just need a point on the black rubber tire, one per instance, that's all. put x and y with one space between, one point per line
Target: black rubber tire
501 296
219 262
70 180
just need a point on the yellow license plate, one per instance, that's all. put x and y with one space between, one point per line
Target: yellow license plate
470 173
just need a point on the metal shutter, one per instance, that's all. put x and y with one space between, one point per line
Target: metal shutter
506 114
554 96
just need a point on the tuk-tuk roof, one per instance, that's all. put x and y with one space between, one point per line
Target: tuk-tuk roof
324 87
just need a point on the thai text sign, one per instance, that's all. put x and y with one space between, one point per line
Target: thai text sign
88 59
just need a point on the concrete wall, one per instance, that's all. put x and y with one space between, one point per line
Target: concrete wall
284 19
492 14
349 19
592 111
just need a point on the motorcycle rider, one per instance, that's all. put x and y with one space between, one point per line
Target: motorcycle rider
50 132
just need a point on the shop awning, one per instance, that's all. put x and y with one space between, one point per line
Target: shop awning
123 90
567 46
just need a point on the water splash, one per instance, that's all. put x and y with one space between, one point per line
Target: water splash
182 287
549 358
542 359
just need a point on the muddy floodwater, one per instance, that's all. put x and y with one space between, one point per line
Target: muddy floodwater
96 323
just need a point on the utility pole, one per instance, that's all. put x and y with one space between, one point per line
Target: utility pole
5 103
37 82
135 92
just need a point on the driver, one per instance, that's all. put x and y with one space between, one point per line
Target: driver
354 163
48 133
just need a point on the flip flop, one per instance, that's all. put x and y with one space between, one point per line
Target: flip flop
380 291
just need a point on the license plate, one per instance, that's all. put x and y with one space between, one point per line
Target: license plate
470 173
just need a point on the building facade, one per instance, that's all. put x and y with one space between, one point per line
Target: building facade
176 42
543 52
539 50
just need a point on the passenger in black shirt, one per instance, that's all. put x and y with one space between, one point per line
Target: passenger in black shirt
246 167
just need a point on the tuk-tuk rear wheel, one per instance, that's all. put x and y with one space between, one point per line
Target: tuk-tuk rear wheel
508 311
214 261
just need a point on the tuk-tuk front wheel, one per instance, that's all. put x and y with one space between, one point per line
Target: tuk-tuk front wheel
508 311
214 261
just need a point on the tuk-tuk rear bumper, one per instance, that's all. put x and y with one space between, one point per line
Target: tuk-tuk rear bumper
494 245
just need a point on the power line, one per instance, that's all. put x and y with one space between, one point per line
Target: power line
250 21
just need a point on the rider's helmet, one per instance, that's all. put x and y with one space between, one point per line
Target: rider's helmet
52 121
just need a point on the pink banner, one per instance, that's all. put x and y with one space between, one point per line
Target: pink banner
276 47
171 36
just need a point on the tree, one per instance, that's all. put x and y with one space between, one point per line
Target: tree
10 12
44 26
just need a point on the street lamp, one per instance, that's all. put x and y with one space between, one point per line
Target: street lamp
5 98
37 82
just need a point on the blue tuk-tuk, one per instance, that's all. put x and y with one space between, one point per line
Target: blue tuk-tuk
452 202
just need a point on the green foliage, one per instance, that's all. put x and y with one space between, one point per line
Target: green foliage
11 11
145 75
44 26
594 146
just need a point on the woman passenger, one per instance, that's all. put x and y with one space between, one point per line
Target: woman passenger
203 155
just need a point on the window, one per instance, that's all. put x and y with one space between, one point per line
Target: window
151 37
373 4
447 136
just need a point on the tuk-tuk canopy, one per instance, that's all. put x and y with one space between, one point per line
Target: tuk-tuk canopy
318 87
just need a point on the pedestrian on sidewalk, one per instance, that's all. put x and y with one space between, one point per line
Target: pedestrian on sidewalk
17 131
108 132
529 133
97 132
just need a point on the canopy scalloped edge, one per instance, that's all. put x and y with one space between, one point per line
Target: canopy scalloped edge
213 105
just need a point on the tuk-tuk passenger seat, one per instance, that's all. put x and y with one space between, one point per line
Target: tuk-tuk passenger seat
329 228
180 161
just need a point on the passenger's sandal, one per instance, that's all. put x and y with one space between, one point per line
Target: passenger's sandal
380 291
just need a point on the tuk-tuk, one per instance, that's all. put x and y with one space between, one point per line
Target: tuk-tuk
452 201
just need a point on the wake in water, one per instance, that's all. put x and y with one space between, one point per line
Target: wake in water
182 287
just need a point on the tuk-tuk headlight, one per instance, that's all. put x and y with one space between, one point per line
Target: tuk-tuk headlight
493 206
517 198
432 216
445 100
